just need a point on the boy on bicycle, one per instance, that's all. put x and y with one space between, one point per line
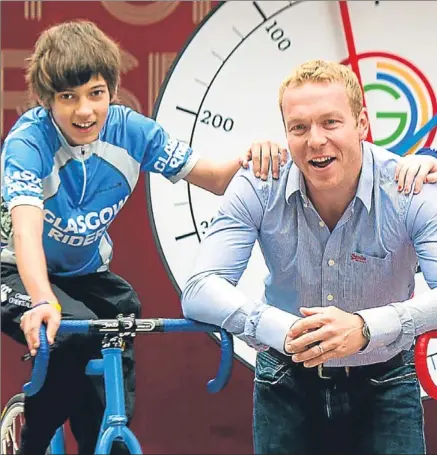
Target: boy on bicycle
68 167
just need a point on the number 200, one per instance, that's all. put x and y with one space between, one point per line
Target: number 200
217 121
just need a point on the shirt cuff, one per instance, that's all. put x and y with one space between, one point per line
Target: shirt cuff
188 167
273 327
25 200
384 326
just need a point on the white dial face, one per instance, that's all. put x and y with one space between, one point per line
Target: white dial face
222 94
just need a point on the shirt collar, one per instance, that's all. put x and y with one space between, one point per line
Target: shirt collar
295 180
365 184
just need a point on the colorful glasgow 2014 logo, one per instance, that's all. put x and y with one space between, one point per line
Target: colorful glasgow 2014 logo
401 101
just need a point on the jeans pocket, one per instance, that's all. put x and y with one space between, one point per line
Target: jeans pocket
270 370
403 374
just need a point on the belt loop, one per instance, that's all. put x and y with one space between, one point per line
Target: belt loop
348 371
320 372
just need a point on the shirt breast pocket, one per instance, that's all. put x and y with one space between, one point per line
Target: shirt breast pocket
368 278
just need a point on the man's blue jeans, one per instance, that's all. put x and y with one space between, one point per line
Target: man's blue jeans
296 412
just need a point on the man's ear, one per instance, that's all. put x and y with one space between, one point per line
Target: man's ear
363 124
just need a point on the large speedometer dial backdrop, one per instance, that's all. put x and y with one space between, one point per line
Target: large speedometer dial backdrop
222 94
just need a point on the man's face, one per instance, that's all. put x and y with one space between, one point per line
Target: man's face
323 135
80 112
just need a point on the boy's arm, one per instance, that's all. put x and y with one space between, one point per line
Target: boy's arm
27 222
215 176
158 152
422 166
23 195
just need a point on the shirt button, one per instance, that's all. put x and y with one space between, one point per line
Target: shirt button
321 224
305 205
330 297
331 262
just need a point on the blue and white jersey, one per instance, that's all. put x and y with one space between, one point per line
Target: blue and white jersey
81 189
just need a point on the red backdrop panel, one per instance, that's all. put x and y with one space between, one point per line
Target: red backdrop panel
174 413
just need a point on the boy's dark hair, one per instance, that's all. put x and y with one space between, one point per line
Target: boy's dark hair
70 54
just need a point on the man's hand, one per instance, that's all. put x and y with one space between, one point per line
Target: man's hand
31 322
262 153
324 333
421 167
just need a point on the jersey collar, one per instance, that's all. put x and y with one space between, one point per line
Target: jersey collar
76 151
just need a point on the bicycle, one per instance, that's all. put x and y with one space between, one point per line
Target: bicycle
113 426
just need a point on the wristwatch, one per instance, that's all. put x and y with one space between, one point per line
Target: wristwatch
366 333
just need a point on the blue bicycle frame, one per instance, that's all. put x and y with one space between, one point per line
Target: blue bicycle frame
114 422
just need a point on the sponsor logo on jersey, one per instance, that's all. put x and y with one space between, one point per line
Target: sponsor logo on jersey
20 300
5 291
67 231
176 155
20 181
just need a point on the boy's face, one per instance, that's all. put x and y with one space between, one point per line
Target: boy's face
80 112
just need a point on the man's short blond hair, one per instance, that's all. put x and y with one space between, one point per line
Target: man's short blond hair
68 55
325 71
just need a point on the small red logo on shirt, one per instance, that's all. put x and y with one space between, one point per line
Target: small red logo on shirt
358 258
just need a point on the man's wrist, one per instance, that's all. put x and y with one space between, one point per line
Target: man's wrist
365 332
286 337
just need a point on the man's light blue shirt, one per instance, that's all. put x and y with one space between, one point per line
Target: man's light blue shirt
366 265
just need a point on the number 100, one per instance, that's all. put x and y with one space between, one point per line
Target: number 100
277 34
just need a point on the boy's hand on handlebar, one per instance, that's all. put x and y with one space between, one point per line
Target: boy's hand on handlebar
31 322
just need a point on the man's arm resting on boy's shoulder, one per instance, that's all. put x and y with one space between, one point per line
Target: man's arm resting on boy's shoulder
27 222
211 294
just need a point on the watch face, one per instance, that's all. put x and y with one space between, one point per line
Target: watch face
366 332
222 94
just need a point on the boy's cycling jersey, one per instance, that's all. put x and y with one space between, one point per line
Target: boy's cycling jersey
82 188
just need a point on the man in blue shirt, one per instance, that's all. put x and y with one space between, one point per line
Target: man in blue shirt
337 321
